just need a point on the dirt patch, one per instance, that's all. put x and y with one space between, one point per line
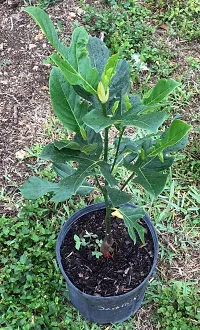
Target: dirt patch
24 94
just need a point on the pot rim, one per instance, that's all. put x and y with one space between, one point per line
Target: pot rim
94 207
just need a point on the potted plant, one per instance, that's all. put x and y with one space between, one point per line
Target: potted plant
106 251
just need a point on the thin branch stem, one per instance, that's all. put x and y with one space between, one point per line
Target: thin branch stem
127 181
117 150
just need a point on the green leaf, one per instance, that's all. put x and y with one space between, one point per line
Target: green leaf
85 189
67 144
131 217
118 197
92 138
97 121
50 152
66 103
75 64
120 84
70 184
47 27
177 130
150 122
63 170
76 67
109 70
98 53
152 181
160 91
36 187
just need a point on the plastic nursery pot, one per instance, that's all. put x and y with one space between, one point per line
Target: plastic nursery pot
105 309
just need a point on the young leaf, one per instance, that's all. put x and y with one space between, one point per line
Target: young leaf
109 70
131 217
66 103
47 27
160 91
118 197
88 80
177 130
36 187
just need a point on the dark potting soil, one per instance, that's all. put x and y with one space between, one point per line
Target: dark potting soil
125 270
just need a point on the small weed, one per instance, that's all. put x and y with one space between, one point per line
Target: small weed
44 4
127 26
183 16
177 305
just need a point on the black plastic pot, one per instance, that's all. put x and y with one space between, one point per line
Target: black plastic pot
105 309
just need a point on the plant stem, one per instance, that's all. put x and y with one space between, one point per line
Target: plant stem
127 181
117 150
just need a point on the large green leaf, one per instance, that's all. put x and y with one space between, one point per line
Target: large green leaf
160 91
150 122
131 217
63 169
47 27
98 53
36 187
120 84
50 152
152 181
75 63
70 184
66 103
85 148
177 130
97 121
118 197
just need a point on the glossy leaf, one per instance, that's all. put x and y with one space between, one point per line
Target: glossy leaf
66 103
160 91
118 197
70 184
50 152
131 217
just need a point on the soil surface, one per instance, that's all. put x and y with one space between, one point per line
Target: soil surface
24 95
124 270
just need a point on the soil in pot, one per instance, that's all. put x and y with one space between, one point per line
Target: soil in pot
128 266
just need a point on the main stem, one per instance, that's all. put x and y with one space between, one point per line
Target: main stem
108 240
117 150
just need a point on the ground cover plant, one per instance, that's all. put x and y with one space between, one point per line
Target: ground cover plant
176 212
